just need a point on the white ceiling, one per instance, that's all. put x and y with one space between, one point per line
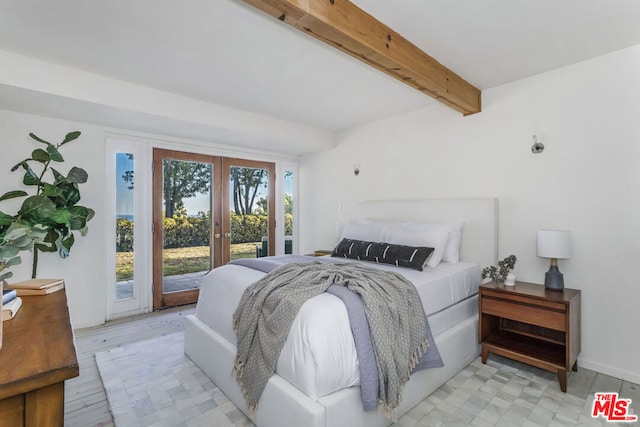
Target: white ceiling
225 52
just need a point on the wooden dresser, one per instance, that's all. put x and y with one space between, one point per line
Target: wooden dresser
38 354
531 324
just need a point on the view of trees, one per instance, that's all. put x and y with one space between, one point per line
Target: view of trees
183 180
246 184
186 234
183 231
263 205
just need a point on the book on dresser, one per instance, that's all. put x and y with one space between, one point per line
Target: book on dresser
37 286
8 295
10 309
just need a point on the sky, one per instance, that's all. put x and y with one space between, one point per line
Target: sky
124 196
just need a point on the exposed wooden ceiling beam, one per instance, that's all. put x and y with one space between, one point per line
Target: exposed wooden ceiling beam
345 26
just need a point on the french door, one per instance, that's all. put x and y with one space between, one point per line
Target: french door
207 210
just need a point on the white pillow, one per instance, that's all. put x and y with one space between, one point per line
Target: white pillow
365 232
429 237
452 252
383 223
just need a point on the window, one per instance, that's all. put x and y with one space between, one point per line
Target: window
288 211
125 225
128 228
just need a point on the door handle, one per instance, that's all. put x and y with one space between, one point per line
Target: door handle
227 235
217 235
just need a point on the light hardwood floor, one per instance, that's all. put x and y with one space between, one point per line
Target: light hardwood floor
85 399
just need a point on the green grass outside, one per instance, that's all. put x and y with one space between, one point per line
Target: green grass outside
182 260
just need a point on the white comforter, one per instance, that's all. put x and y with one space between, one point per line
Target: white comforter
319 356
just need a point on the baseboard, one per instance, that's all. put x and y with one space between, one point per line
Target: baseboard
633 377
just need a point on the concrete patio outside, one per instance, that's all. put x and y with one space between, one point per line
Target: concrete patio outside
178 282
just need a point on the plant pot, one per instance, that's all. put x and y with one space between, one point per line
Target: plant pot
510 280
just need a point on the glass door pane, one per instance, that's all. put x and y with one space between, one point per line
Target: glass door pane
125 222
186 224
288 212
250 208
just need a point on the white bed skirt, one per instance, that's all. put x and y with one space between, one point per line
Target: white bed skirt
283 405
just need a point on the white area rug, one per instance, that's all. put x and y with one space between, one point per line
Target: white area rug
152 383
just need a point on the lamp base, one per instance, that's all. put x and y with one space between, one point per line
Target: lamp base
553 279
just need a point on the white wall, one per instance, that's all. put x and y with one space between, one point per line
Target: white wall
587 180
84 270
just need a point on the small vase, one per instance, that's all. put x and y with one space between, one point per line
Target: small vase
510 280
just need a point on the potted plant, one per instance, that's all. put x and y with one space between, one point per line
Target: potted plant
501 273
54 208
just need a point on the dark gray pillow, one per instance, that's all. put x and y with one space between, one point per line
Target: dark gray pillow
415 257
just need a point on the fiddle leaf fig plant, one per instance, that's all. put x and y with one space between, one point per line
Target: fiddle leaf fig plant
16 238
54 207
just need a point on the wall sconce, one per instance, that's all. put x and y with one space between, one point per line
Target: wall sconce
356 169
537 147
554 244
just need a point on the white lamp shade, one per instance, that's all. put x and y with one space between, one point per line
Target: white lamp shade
554 243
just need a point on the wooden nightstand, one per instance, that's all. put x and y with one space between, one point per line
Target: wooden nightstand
322 252
531 324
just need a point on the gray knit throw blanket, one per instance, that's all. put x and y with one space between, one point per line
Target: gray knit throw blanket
268 307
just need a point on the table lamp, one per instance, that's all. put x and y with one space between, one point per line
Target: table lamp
554 244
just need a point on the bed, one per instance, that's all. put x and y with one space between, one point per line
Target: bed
451 310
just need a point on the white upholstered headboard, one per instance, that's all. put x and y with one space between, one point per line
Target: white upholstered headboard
480 217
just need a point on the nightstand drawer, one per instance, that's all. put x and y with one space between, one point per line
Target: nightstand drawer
517 298
546 317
